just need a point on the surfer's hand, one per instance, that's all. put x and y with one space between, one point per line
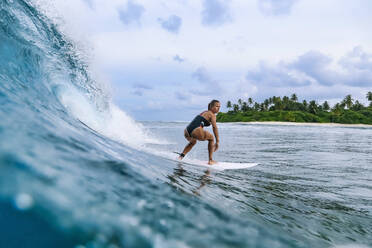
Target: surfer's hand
215 147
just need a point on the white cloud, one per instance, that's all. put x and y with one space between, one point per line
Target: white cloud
215 12
358 67
275 7
142 86
279 75
178 58
89 3
315 67
131 13
182 96
172 24
139 88
207 85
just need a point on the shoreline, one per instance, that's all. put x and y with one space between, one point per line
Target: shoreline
285 123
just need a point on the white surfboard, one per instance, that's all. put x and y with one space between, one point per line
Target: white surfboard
219 165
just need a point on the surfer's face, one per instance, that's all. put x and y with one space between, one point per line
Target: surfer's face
216 107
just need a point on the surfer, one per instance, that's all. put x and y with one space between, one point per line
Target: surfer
194 131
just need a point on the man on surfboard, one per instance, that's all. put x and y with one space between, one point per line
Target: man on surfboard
194 131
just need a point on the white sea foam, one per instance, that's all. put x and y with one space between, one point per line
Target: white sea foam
351 246
113 123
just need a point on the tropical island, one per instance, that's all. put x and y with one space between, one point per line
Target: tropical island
289 109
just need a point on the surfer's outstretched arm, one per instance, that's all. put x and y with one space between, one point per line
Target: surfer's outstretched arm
211 149
215 132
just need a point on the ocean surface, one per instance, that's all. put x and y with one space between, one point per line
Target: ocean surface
76 171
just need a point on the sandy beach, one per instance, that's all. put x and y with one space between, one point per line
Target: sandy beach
304 124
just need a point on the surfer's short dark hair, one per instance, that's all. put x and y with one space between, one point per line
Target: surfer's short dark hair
212 103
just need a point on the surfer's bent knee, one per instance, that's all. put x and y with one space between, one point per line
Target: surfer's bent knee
187 135
208 136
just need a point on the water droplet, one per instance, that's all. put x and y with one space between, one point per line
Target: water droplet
141 204
23 201
170 204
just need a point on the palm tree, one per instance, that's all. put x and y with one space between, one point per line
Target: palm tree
304 104
342 105
250 101
277 103
337 109
294 98
240 102
266 103
262 107
348 101
236 107
271 100
369 97
325 106
228 105
286 103
313 107
357 106
245 107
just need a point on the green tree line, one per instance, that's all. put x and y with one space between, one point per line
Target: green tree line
286 108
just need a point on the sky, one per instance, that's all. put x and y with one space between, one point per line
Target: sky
165 60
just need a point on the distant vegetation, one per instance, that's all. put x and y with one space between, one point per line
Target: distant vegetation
290 109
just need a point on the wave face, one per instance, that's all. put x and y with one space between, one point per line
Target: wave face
72 169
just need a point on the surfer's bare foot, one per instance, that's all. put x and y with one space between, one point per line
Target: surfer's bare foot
210 162
182 155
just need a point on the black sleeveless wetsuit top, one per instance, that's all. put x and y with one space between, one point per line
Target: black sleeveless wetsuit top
198 121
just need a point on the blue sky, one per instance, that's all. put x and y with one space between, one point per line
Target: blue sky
165 60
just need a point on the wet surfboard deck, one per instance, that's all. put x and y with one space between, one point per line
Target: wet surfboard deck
217 166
